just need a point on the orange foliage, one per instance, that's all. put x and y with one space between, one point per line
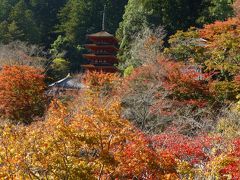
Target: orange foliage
237 79
92 141
89 141
100 81
212 31
139 159
223 48
21 92
223 40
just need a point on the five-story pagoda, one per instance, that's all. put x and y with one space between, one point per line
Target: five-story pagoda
103 50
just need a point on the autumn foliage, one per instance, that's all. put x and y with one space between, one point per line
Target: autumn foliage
89 139
92 141
176 117
100 81
21 93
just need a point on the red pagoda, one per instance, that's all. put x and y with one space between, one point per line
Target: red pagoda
103 50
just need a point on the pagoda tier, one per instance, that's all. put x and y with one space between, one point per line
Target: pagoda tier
108 49
102 37
107 69
102 56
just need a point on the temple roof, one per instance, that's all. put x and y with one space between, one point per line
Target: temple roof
68 83
102 35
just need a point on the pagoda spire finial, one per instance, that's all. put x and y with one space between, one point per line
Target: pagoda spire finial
103 20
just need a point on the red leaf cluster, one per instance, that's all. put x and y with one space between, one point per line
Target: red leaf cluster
21 92
194 150
233 168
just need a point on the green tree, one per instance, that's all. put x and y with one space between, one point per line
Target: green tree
172 14
213 10
35 19
45 15
186 46
59 69
134 20
23 18
5 6
14 32
81 17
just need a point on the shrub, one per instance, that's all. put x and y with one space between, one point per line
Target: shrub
21 93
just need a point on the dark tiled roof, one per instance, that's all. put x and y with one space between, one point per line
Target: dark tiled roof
68 83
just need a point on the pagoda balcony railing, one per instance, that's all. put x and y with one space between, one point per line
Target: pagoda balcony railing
102 64
100 61
103 53
102 43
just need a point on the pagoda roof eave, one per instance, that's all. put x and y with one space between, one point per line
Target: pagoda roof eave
99 56
98 67
95 46
103 68
100 34
111 40
109 59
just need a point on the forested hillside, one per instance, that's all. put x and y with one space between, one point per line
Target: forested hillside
61 25
172 110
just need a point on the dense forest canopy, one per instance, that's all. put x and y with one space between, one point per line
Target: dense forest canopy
63 24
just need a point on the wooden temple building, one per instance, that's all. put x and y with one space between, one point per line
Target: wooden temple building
67 84
102 51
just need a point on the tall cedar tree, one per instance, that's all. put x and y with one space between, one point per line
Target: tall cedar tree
33 21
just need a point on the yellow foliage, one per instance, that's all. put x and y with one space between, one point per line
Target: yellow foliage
225 90
81 142
229 127
76 144
185 169
86 140
237 107
217 164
